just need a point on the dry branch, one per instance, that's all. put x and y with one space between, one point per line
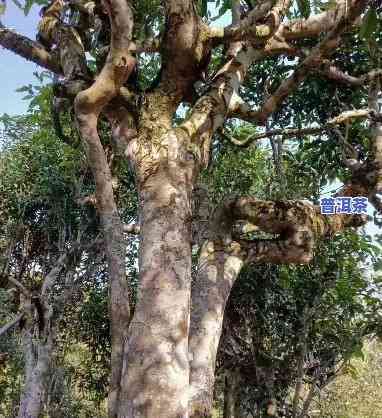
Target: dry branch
284 133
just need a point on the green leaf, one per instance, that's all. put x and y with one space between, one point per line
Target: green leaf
3 6
28 6
369 24
226 5
22 89
203 7
304 7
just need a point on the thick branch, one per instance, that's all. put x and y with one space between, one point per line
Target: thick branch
235 11
181 24
88 105
185 49
218 269
118 66
211 110
316 24
278 217
296 225
291 30
333 73
248 29
28 49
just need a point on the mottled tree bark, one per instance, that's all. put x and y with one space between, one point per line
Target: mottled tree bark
28 49
157 379
89 104
156 369
297 224
119 303
38 360
39 336
115 249
217 271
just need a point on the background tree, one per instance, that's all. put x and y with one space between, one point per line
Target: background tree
341 398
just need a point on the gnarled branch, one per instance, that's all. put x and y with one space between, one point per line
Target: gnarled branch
28 49
88 105
296 224
316 24
333 73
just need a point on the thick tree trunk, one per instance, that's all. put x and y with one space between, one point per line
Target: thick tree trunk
156 368
231 402
38 359
39 339
217 272
119 308
115 249
156 374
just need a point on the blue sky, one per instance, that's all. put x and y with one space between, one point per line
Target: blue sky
16 71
